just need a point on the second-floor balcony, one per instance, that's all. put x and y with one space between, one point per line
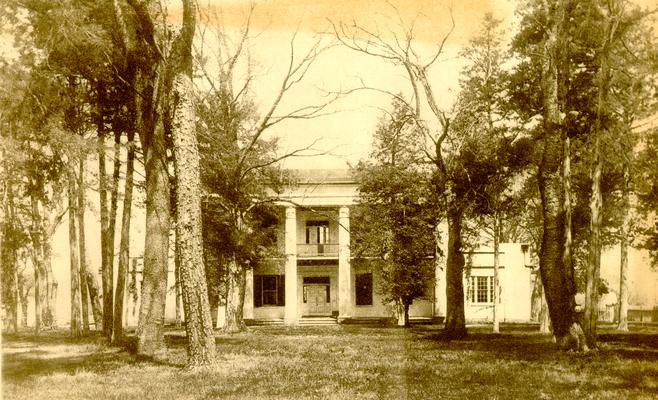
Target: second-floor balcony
317 250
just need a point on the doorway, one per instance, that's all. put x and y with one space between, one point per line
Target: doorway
317 296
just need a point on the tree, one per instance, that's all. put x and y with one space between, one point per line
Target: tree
239 163
543 42
181 124
124 246
634 77
394 219
437 132
495 154
162 96
137 25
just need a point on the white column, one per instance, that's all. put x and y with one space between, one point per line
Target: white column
345 287
290 250
248 308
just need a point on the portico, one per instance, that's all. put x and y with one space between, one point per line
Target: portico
318 274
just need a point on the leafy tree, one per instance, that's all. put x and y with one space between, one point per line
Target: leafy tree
495 152
161 66
443 145
239 162
394 219
543 43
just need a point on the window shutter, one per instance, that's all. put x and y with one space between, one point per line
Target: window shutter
281 291
258 291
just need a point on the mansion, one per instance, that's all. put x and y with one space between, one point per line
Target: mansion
318 281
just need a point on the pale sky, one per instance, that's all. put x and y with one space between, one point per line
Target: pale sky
346 134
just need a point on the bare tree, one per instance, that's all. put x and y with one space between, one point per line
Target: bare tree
247 157
399 49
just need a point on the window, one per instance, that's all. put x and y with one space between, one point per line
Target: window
481 289
317 232
269 290
364 289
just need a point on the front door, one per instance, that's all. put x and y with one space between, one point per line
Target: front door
316 299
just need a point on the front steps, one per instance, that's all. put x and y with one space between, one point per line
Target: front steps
308 321
303 321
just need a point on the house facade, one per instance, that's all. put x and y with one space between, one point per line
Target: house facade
318 277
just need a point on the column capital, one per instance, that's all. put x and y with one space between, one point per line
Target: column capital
291 211
344 212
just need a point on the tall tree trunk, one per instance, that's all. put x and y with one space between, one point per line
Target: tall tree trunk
594 259
49 316
150 331
403 313
95 300
544 317
496 284
112 219
124 247
76 314
106 256
8 257
198 323
84 292
37 261
16 299
556 275
236 279
622 301
596 201
179 318
455 325
235 290
23 294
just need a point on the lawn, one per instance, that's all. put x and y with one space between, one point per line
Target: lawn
339 362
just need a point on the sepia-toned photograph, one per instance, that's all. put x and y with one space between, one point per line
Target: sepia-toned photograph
329 199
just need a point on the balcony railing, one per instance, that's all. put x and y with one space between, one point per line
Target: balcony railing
317 250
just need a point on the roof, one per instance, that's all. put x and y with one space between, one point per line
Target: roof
317 176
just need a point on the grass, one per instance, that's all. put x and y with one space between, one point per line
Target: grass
339 362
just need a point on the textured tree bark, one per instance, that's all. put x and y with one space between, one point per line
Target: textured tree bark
455 325
235 286
150 333
137 34
198 323
124 246
76 313
84 292
557 276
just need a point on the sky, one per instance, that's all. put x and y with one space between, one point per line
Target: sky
344 136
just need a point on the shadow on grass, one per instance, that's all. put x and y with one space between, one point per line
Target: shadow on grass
30 364
51 338
529 345
26 356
